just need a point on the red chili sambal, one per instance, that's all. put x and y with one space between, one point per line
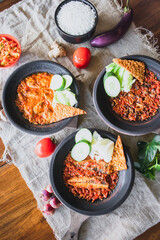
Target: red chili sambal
89 179
141 102
9 52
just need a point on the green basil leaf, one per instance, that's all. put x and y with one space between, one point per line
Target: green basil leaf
147 152
156 142
150 174
151 152
157 167
157 164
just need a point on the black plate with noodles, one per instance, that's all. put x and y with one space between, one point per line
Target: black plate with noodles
61 168
125 119
10 94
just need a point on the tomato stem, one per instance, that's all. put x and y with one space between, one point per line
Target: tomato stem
53 139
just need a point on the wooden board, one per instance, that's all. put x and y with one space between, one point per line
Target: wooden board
19 216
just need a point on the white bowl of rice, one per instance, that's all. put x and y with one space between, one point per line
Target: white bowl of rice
76 20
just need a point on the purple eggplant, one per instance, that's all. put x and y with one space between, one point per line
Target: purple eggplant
114 34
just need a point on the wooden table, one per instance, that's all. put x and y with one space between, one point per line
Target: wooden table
19 217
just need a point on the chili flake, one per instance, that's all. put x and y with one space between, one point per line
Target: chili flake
141 102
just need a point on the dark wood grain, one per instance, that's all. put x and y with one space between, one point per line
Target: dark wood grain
7 3
19 217
147 14
151 234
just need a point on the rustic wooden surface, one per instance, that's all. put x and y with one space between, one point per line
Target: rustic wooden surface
19 217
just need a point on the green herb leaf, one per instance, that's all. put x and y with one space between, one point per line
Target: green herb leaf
150 174
149 157
156 164
147 152
156 142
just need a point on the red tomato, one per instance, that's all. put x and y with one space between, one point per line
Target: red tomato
81 57
45 147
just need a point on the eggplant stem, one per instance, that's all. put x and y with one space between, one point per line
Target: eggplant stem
126 8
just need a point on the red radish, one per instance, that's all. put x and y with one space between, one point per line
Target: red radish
48 209
45 195
49 189
45 147
55 203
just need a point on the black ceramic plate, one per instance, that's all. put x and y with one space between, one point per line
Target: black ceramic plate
10 90
120 193
104 109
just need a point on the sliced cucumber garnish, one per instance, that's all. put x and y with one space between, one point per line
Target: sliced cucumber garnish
111 85
71 97
60 97
65 97
68 80
113 67
83 134
120 74
127 81
57 83
81 150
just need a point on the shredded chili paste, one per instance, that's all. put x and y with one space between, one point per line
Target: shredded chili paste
89 179
9 51
141 102
34 98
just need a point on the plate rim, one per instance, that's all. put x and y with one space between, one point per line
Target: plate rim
97 212
64 123
105 120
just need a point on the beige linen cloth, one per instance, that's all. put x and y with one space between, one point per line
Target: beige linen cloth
32 22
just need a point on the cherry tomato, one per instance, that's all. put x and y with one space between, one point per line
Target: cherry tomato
81 57
45 147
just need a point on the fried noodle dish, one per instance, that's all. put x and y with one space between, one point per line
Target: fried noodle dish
35 100
92 180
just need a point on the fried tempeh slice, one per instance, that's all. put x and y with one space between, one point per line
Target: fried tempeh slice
137 69
87 182
90 165
61 111
118 161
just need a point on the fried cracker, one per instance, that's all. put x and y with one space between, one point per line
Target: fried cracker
137 69
118 161
61 112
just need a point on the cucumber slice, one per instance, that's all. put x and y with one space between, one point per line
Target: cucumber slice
65 97
113 67
81 150
111 85
127 81
71 97
68 80
60 97
119 75
57 83
83 134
